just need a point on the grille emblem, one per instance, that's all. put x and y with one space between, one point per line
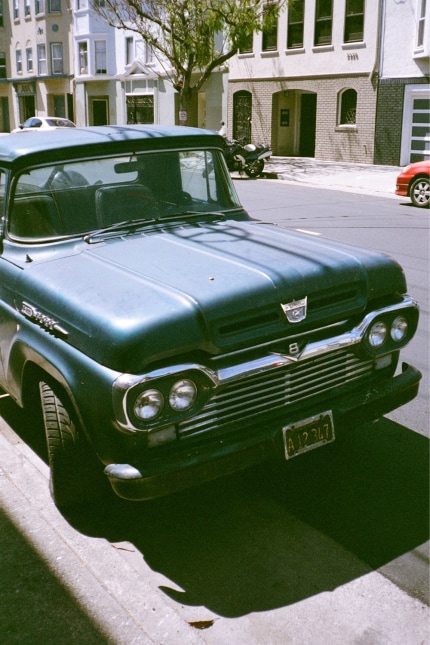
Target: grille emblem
295 311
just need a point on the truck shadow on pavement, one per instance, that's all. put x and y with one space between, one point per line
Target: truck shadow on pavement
280 533
277 534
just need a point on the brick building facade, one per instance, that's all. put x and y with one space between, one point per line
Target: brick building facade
323 82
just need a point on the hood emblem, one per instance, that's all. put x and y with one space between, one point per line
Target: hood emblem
295 311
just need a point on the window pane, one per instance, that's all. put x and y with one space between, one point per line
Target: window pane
29 57
83 58
54 6
41 59
270 30
140 109
295 24
100 56
18 61
2 65
57 58
348 107
354 21
323 22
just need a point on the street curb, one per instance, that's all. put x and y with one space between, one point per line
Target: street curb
92 569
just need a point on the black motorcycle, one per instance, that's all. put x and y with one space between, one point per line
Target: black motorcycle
249 158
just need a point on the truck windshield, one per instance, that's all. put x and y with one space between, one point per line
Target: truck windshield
78 197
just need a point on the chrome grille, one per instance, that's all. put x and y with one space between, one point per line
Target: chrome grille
274 389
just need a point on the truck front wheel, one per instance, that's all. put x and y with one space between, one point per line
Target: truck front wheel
76 475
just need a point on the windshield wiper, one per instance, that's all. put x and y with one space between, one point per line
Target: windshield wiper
119 226
132 224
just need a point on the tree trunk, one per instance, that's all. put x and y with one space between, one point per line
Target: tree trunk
185 94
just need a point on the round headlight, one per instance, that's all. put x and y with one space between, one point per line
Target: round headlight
377 334
182 395
148 404
399 329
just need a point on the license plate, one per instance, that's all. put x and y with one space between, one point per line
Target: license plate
308 434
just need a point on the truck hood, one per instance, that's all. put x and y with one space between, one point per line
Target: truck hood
130 301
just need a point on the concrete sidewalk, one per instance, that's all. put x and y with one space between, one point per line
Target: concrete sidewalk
367 179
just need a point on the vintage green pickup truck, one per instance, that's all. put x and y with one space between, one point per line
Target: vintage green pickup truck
166 337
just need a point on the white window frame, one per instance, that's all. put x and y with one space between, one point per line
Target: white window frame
144 52
321 20
3 64
100 57
57 58
422 27
18 60
42 63
29 58
350 16
54 6
129 50
340 109
83 57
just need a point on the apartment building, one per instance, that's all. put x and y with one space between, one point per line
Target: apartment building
335 79
402 132
119 80
115 80
36 70
307 85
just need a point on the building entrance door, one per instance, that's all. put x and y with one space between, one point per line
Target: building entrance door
100 111
308 119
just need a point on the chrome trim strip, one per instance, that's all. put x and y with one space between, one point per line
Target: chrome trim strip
272 360
312 350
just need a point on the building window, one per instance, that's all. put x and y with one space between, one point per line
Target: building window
3 73
347 107
323 22
1 14
421 23
39 6
27 8
42 67
57 58
246 44
354 21
144 52
83 57
140 109
296 13
18 55
54 6
129 57
29 58
15 9
100 56
270 29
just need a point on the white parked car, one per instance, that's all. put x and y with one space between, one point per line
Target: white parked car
44 123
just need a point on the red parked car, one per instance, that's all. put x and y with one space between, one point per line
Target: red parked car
414 182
